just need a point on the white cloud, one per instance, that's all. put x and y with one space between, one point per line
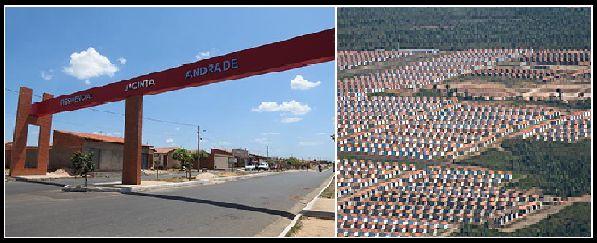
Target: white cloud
169 140
302 84
111 134
270 133
291 119
89 64
48 75
122 60
322 133
203 55
309 143
87 82
261 140
293 107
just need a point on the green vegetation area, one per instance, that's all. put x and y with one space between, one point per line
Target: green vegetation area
330 191
419 93
558 168
508 82
381 94
463 28
296 228
574 220
378 67
428 93
570 105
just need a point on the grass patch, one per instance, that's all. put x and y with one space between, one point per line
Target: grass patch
572 221
570 105
295 229
558 168
420 93
330 191
428 93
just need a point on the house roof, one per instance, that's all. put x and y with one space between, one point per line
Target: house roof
220 151
97 137
258 156
164 150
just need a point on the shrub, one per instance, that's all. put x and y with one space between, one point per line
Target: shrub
82 164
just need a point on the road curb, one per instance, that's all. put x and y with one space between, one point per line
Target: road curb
307 207
38 181
90 189
99 187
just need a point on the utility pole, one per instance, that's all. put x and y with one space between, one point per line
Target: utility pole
267 151
199 146
198 142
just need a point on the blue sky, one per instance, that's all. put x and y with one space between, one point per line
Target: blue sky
48 50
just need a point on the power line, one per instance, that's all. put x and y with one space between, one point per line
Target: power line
121 114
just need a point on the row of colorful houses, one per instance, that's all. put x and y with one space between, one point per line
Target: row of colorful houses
353 59
431 127
380 117
541 65
408 201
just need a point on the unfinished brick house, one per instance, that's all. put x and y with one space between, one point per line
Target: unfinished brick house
107 150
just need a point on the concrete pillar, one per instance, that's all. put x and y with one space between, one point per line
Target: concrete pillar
45 129
131 167
19 145
19 139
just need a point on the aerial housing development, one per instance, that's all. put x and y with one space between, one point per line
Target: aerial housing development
463 121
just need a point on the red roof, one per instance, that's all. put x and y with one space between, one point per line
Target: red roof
97 137
220 151
164 150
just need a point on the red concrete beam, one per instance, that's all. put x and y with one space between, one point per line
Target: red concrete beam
274 57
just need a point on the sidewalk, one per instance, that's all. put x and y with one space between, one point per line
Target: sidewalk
317 219
96 178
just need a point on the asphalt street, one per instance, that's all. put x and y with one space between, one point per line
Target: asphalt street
238 208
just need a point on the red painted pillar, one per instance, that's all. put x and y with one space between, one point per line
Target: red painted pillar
131 167
43 149
19 148
19 139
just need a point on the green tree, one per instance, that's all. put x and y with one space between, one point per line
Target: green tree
198 156
82 164
186 159
294 162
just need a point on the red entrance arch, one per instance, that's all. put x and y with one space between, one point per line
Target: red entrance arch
274 57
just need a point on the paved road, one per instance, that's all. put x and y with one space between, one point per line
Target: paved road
16 188
240 208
